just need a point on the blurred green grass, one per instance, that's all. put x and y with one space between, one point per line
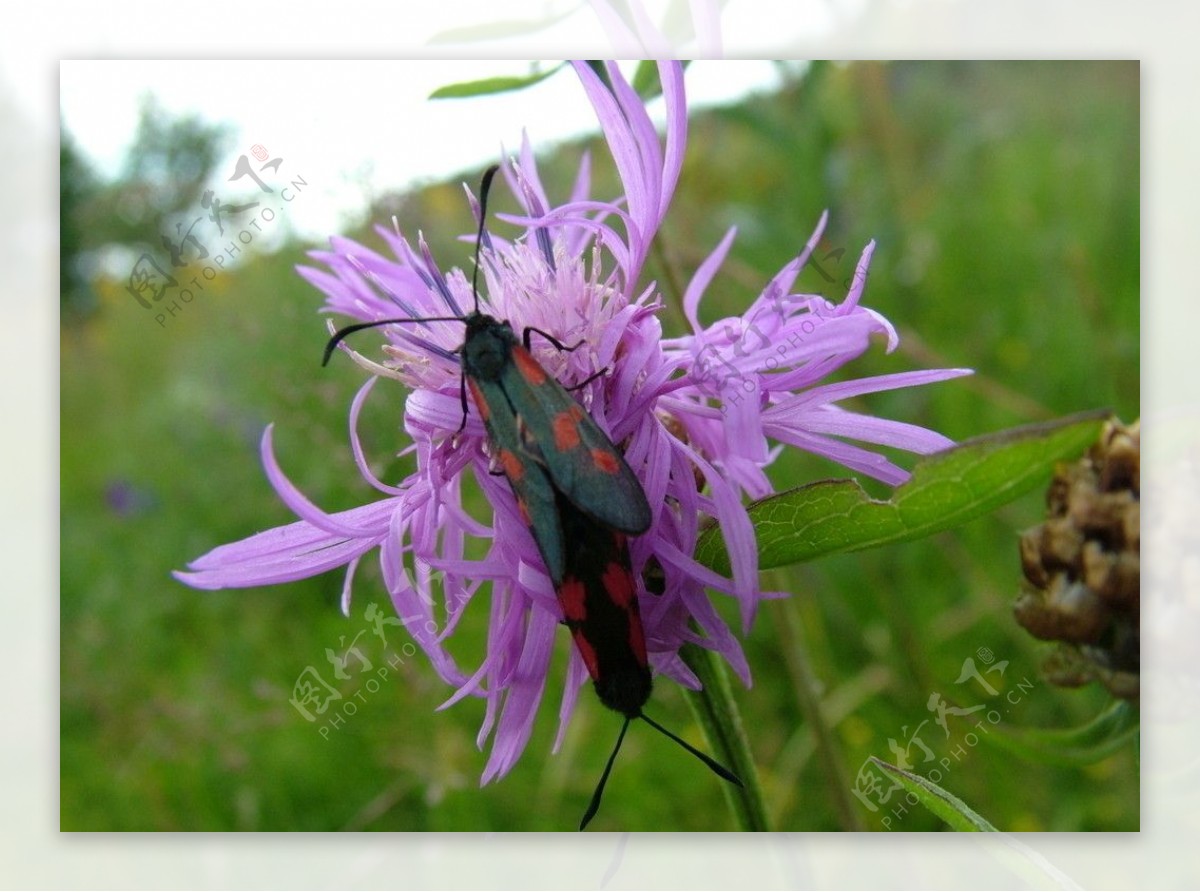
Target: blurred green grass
1004 200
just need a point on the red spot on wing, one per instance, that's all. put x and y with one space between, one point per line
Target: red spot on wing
572 595
480 402
511 465
637 637
618 584
533 373
523 510
566 431
587 652
606 461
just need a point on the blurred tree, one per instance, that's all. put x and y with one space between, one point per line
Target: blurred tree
78 186
165 173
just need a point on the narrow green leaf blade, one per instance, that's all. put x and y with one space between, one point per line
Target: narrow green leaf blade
490 85
1113 729
945 805
946 490
1027 863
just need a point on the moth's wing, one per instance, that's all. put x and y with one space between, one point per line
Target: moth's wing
526 474
582 462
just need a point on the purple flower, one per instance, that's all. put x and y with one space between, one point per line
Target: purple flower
696 416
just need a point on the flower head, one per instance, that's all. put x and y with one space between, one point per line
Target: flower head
695 416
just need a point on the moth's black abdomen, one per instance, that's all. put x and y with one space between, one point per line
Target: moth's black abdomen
625 689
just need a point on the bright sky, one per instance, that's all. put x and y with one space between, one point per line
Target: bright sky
352 130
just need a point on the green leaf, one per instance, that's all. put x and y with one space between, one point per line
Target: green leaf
1026 862
946 806
1113 729
645 80
489 85
945 490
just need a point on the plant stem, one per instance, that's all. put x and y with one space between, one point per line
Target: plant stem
716 710
808 695
673 309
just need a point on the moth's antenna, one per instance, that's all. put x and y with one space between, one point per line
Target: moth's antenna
712 763
719 769
484 187
594 805
341 334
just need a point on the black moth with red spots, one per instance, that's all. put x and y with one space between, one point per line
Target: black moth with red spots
600 607
576 493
